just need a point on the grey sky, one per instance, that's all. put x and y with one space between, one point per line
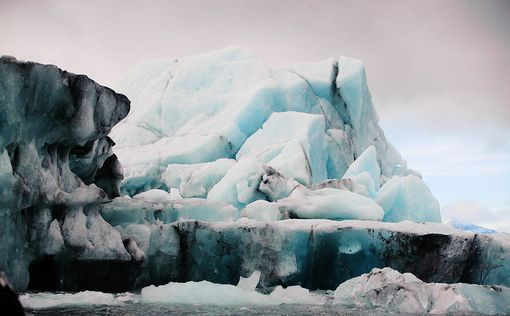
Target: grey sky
425 59
438 70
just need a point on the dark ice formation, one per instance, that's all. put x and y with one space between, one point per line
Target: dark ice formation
56 166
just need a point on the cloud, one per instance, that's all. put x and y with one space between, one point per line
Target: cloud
497 218
458 155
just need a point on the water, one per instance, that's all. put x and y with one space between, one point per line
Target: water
186 309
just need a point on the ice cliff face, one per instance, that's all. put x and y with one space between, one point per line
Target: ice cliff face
56 166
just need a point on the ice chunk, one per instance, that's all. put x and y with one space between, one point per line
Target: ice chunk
154 195
264 211
47 300
331 203
125 211
195 180
249 283
202 292
290 134
239 186
366 162
387 290
408 198
144 164
205 292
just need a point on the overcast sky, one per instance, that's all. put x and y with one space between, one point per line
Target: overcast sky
439 71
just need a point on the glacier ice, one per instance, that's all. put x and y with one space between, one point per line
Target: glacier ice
408 198
294 143
46 300
366 171
297 252
329 203
195 180
256 133
308 121
56 166
387 290
244 293
224 167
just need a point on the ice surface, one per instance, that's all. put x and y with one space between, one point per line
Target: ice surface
309 121
293 143
56 166
244 293
154 195
195 180
366 163
46 300
297 252
390 291
331 203
408 198
124 211
240 185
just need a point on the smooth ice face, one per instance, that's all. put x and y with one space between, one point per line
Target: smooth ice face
366 163
408 198
388 290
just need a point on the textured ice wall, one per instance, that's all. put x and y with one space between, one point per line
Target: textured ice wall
56 164
316 254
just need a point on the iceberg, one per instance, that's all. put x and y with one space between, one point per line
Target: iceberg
308 121
224 169
408 198
387 290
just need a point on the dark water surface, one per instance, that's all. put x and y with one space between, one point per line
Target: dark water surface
186 309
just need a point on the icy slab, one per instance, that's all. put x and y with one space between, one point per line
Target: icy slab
329 203
366 171
125 210
293 143
227 104
244 293
46 300
408 198
154 195
195 180
239 186
387 290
